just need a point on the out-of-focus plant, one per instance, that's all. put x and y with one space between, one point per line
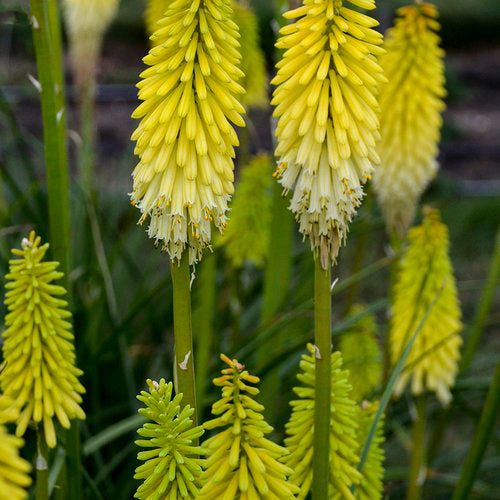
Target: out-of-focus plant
247 234
411 103
155 10
86 24
172 463
423 270
327 128
361 355
242 463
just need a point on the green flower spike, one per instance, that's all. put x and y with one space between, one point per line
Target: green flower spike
242 464
40 374
172 467
344 454
248 229
371 485
361 354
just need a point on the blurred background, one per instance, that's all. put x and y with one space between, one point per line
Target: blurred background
123 308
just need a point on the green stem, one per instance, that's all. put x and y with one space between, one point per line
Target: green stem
484 432
42 467
205 323
87 128
184 364
46 37
47 40
417 466
323 345
483 310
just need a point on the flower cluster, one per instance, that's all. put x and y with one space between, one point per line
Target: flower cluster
424 272
172 467
242 464
154 12
248 230
411 104
40 374
185 140
344 453
327 108
361 354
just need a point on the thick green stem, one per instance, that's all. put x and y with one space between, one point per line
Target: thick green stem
484 432
47 40
323 347
417 466
184 363
205 323
42 467
46 37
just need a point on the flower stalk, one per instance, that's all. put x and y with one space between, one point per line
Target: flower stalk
42 468
184 365
323 346
417 466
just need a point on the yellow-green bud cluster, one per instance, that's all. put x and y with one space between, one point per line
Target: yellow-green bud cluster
344 453
242 464
86 23
361 354
172 467
410 121
40 374
247 234
424 271
327 108
14 470
371 485
185 140
253 63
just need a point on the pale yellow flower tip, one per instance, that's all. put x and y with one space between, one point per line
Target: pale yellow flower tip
327 108
423 271
86 23
40 373
410 121
185 140
14 470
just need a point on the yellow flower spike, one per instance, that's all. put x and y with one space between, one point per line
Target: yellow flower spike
154 12
327 108
247 234
344 447
411 104
185 139
172 467
14 470
253 62
424 269
242 463
86 23
40 373
361 354
371 485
